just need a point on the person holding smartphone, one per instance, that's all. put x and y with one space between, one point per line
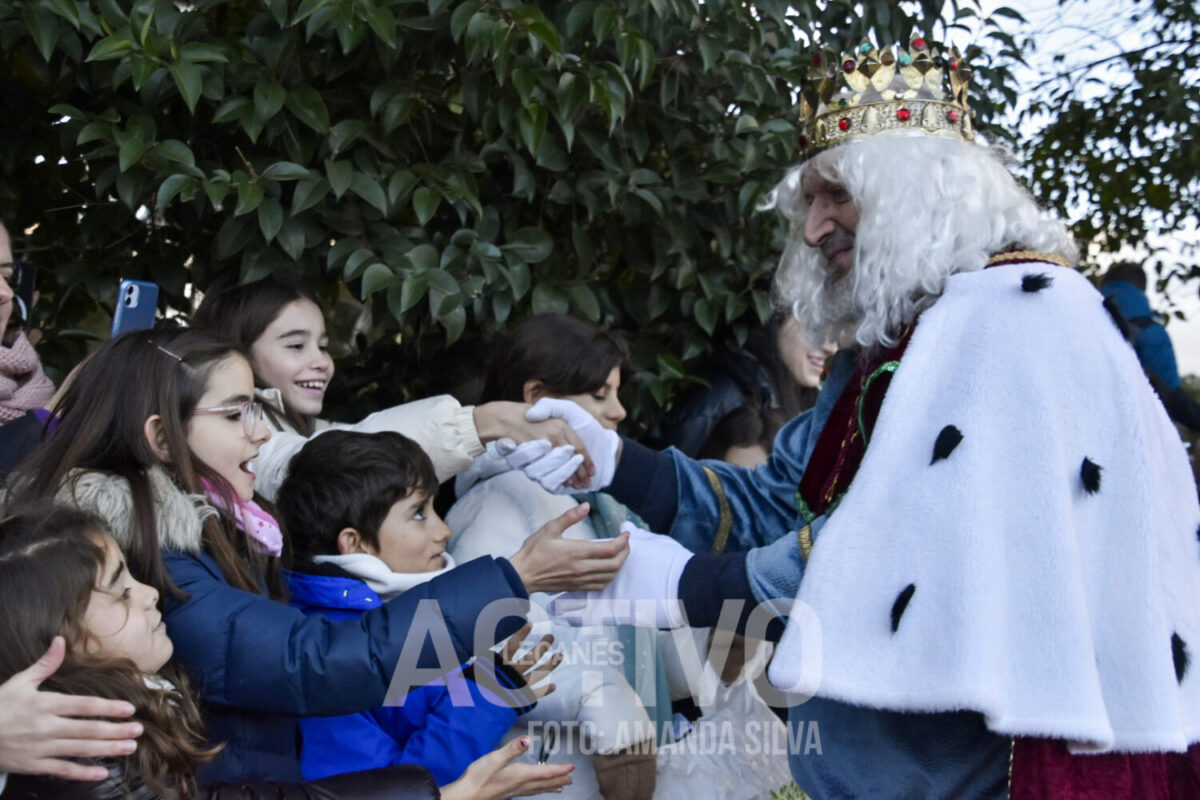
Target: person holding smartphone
23 385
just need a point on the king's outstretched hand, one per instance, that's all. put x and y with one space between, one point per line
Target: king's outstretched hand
603 445
645 592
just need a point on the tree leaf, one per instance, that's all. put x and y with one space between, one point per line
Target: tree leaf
177 151
42 26
306 104
308 192
268 99
198 51
377 277
340 174
291 239
549 299
369 189
173 185
249 197
189 82
425 203
109 48
531 245
356 263
285 171
584 299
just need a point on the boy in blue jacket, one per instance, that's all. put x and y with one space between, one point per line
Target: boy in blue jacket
357 509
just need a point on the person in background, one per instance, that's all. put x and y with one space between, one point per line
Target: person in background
1124 286
25 391
744 436
777 370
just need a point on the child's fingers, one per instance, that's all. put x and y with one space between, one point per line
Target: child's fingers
513 643
539 778
534 654
541 671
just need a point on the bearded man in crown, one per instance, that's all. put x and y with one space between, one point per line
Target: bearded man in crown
987 523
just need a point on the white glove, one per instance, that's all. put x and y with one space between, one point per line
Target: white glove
601 443
644 593
549 466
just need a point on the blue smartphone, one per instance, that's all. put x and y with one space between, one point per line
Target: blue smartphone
136 303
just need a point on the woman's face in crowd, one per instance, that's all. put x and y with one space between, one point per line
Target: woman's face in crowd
292 355
6 275
805 362
122 619
603 404
219 440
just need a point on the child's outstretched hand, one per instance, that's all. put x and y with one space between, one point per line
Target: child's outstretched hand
494 776
532 665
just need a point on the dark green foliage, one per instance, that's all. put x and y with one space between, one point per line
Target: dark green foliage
457 165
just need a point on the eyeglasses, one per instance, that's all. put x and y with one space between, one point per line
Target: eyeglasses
251 412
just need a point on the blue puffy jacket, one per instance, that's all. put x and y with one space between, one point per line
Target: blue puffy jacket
259 664
442 727
1150 338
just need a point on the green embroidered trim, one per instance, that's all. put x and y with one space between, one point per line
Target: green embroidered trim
806 513
887 366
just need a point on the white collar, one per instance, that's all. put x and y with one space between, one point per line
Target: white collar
379 576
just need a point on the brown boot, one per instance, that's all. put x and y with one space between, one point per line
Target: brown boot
629 774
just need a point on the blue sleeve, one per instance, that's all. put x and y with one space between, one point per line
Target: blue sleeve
711 506
439 728
451 730
252 653
1157 355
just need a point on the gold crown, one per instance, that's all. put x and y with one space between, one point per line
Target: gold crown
870 90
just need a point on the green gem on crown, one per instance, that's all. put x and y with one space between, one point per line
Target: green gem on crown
905 59
865 48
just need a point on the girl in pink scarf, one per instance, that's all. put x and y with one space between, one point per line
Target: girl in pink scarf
23 385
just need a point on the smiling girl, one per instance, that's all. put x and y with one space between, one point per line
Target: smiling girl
282 330
157 435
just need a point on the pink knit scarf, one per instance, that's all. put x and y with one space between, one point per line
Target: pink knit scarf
23 385
252 519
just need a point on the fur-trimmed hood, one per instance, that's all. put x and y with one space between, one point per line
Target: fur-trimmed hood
179 515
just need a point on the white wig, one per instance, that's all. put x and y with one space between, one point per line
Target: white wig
929 207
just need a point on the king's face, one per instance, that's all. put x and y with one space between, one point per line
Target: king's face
831 222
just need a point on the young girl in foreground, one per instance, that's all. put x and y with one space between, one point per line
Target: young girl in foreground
63 576
156 435
281 329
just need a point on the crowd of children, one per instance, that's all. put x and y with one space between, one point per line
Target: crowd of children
326 627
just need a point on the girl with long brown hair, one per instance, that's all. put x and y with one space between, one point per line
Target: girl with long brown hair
63 576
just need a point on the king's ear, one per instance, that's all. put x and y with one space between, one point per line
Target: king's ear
156 436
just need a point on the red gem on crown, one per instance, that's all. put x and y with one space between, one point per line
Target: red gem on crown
816 60
848 65
954 63
903 115
952 116
844 124
918 44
